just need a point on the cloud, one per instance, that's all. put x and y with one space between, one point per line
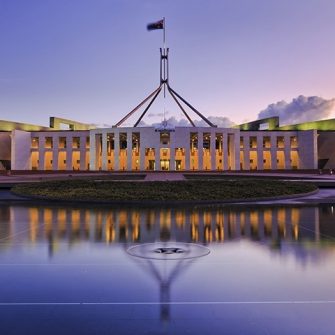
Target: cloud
220 121
300 109
156 114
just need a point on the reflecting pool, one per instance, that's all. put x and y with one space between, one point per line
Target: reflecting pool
229 270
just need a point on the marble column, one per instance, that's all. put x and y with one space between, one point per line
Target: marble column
200 150
116 151
225 152
41 153
69 141
129 150
93 162
55 149
273 151
213 151
104 162
260 164
82 153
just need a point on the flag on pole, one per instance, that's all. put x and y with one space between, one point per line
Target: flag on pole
156 25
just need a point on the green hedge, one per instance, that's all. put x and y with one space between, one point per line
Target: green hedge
190 190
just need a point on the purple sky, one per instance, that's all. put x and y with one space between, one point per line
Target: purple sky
93 60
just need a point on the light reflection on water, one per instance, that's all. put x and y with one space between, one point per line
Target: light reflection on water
63 254
203 226
307 233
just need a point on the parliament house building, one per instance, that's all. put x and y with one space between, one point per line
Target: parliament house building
259 145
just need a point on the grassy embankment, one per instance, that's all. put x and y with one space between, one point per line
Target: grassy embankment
191 190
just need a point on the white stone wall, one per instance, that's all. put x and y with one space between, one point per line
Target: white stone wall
20 155
308 149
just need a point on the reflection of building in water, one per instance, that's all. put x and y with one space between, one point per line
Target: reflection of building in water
188 225
272 225
5 225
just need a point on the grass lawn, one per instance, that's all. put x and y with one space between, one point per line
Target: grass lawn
190 190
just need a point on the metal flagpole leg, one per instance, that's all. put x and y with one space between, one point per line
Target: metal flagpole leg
189 105
137 107
153 99
181 107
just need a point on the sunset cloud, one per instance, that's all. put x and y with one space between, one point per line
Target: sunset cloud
300 109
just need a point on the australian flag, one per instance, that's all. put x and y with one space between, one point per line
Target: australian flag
156 25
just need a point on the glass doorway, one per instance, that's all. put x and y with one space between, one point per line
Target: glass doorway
178 165
151 165
165 164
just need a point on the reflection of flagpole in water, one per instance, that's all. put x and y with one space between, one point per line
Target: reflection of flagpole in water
165 276
165 280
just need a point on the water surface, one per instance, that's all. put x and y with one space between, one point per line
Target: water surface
270 270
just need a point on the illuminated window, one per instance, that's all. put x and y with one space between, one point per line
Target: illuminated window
266 142
165 138
48 142
62 143
294 141
194 141
207 141
280 141
253 142
35 142
76 142
241 142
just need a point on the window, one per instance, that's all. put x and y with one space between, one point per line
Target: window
123 141
241 142
136 142
165 138
76 142
253 142
149 151
294 141
194 141
218 141
62 143
280 141
266 142
35 142
206 140
48 142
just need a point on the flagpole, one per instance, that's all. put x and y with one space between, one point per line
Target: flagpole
164 32
164 62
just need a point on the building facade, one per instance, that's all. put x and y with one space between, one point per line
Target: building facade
160 149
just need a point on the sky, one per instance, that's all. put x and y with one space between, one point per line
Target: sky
94 60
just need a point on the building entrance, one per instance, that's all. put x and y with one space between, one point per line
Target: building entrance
151 166
165 164
178 165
